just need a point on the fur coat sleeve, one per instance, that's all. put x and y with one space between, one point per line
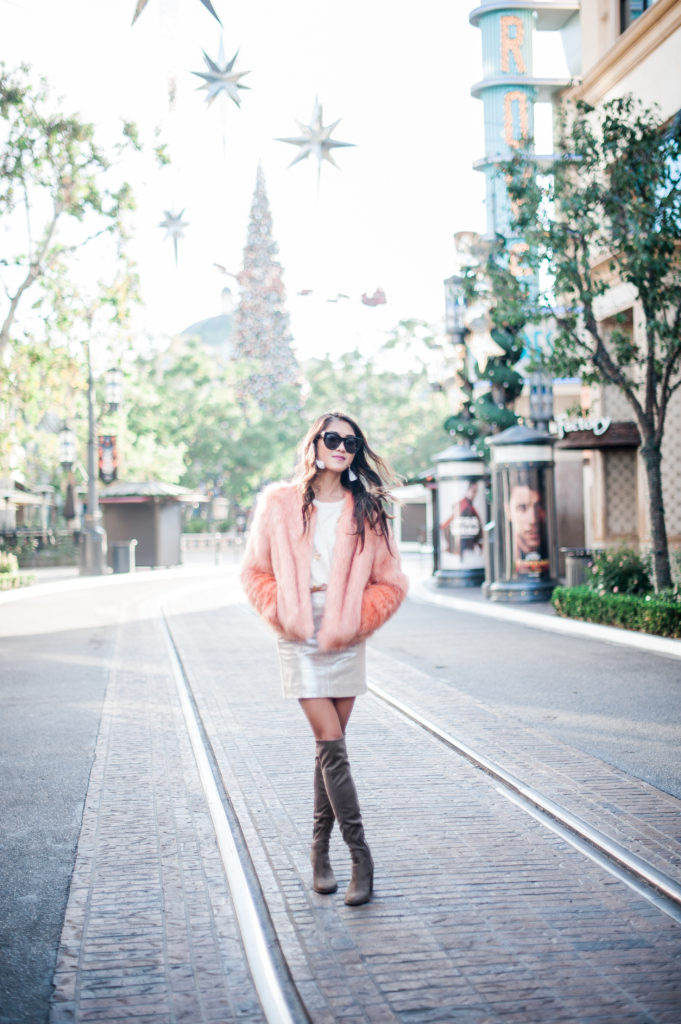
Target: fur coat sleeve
365 588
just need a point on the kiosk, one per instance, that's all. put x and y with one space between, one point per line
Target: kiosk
524 511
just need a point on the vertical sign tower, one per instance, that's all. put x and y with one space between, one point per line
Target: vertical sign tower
509 91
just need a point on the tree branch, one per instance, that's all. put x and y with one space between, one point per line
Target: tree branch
667 389
86 241
27 207
32 275
677 319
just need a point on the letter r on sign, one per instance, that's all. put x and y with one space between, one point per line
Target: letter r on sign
511 44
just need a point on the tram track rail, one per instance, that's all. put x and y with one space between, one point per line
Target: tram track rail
279 997
661 890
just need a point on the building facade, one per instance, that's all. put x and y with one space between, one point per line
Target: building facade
627 46
608 48
519 85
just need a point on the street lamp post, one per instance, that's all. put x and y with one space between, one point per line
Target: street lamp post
93 538
541 400
113 383
67 448
455 307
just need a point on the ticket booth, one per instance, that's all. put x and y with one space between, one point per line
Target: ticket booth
148 513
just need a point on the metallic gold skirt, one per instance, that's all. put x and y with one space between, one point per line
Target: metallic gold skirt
309 672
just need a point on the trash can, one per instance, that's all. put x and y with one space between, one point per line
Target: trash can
576 561
123 555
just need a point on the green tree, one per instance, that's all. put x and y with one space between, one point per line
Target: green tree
187 421
489 282
261 329
396 408
56 195
60 195
611 208
187 418
508 311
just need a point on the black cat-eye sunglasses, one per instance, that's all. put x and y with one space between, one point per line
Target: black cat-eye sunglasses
332 440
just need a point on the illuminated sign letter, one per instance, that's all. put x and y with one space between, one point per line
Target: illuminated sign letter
516 263
515 117
511 44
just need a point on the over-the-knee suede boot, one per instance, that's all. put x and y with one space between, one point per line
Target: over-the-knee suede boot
323 878
340 787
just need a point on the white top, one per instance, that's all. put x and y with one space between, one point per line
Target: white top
328 514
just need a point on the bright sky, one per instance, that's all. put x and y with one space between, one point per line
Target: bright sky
396 73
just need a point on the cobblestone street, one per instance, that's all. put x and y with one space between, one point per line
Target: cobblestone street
480 914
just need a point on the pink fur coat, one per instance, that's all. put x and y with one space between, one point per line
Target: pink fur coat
365 587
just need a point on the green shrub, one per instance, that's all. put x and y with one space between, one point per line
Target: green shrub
13 580
196 525
619 571
21 545
8 562
648 613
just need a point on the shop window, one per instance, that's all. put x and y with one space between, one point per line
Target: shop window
630 10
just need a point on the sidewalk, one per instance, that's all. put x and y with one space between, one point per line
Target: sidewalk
541 615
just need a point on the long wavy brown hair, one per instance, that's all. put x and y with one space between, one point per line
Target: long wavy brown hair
370 491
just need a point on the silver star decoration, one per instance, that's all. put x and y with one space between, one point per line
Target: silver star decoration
315 139
141 4
221 77
174 226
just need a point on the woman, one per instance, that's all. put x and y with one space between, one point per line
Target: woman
322 569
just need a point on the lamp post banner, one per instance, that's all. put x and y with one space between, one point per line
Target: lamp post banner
107 458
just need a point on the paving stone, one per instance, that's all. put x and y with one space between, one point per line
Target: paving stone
480 915
464 878
150 934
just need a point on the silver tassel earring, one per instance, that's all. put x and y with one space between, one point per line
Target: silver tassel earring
319 464
352 476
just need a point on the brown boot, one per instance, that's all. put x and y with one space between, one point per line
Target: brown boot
323 878
341 790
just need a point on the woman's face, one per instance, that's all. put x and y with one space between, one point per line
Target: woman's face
335 460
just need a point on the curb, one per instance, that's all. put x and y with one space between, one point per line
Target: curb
41 589
424 592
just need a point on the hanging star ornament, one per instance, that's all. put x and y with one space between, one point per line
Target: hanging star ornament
221 77
141 4
174 226
315 139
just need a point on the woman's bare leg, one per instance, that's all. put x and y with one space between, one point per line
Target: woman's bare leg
328 716
344 706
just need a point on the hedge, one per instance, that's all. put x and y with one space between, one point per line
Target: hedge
12 580
647 614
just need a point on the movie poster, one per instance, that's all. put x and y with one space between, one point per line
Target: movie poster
525 510
462 515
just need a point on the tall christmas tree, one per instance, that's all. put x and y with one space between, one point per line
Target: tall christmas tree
262 332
